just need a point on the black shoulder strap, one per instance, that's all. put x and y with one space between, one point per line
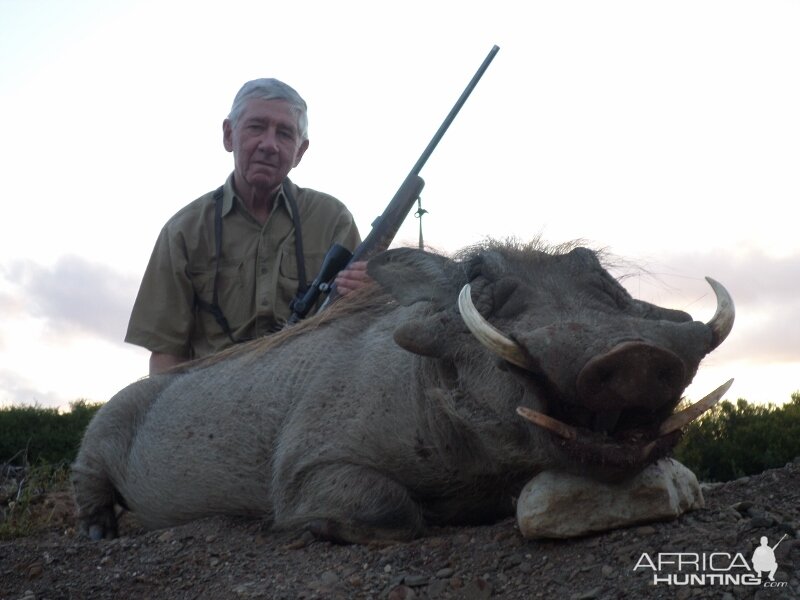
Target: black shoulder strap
214 307
217 241
302 285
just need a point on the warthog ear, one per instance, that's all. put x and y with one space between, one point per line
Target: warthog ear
411 276
426 336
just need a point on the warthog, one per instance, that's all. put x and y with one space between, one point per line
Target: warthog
399 407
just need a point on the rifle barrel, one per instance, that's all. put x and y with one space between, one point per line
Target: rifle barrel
454 111
385 227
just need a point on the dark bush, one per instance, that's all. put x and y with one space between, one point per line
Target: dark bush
732 441
33 435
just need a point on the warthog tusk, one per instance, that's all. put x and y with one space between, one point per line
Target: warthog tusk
673 423
722 321
687 415
647 450
565 431
486 333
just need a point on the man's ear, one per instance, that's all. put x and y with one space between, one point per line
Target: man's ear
227 135
300 151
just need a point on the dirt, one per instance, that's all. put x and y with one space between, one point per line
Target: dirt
222 558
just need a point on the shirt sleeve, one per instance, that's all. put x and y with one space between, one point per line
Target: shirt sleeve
162 319
346 232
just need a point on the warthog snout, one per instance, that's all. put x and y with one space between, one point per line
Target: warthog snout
632 374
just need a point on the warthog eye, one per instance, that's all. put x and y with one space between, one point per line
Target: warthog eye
508 299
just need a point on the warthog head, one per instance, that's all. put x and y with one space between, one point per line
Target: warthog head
601 371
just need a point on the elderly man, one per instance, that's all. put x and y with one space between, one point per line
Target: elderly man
226 267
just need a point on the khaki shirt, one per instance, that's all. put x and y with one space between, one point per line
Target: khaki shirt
258 275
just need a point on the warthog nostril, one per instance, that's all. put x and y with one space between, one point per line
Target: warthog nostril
632 374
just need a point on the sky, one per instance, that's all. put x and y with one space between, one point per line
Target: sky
665 133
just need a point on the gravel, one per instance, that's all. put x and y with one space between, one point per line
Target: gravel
222 558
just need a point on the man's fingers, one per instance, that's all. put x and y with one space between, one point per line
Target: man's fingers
352 278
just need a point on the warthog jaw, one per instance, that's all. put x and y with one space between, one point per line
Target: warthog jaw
674 423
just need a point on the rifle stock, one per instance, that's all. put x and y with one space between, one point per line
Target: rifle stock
385 227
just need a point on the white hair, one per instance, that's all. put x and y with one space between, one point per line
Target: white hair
271 89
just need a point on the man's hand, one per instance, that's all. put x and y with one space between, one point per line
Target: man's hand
352 278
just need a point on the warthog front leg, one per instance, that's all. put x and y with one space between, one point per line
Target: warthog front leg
348 504
104 454
94 499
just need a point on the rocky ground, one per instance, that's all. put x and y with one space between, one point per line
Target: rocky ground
224 558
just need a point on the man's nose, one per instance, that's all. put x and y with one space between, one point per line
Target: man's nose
268 142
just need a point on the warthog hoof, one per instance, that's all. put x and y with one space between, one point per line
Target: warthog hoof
100 526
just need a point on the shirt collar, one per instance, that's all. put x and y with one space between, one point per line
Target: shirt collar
229 196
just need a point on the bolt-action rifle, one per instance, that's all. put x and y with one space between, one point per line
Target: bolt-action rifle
385 227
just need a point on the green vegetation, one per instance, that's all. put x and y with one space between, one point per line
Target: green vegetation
43 435
24 508
37 446
732 441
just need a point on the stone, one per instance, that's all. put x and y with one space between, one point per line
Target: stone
444 573
401 592
167 536
416 580
562 505
477 589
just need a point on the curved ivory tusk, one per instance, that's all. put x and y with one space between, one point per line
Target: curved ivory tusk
486 333
542 420
722 321
645 453
687 415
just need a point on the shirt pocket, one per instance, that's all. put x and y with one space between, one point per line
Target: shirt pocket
232 296
289 277
289 269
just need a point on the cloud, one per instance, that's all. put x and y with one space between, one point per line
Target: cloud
754 276
73 296
16 390
765 290
773 338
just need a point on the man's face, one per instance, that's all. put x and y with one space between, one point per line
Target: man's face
266 145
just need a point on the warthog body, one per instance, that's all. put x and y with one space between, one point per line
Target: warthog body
385 414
